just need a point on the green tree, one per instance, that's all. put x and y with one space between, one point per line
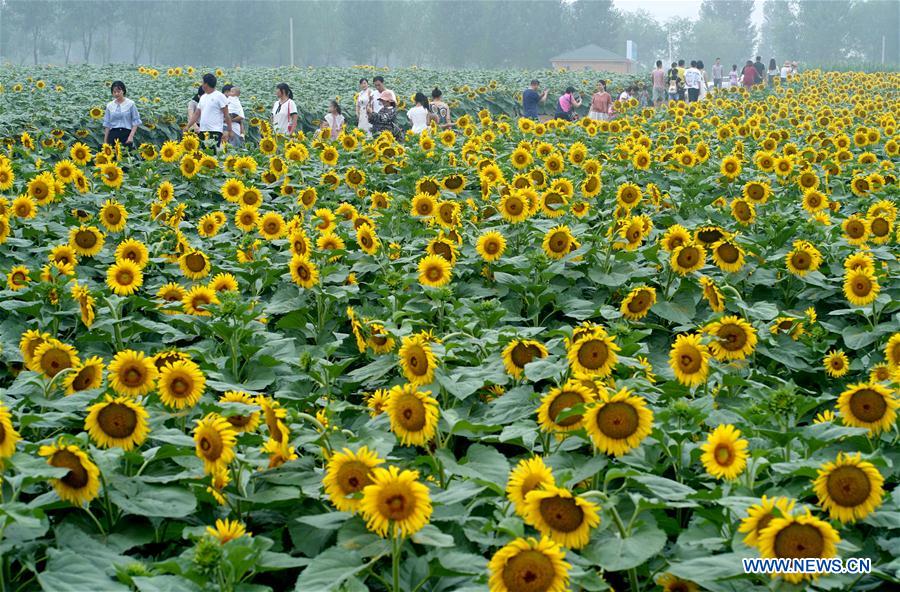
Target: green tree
779 35
824 30
734 19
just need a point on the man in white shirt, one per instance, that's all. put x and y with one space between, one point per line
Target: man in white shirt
692 82
378 83
717 73
212 112
236 111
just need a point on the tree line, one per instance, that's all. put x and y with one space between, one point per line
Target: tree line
436 33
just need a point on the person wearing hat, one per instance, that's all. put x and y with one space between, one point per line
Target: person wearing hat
385 119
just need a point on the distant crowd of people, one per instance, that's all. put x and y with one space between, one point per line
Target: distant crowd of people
220 115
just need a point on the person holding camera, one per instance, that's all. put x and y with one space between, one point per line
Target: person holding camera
566 105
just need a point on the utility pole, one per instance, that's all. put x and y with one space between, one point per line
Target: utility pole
882 49
291 24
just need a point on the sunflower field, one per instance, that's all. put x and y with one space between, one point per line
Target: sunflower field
507 356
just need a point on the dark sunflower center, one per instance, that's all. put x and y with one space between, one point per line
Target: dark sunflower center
862 286
239 421
418 360
593 353
397 506
353 476
559 242
732 337
562 513
855 229
689 360
799 540
867 405
688 257
724 454
880 227
728 253
434 273
85 239
563 401
124 277
529 571
195 262
523 353
133 376
113 215
742 211
411 413
117 420
211 445
849 486
617 420
639 302
491 247
443 249
514 206
801 260
77 477
709 235
180 386
55 360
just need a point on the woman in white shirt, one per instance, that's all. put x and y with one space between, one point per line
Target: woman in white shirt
284 111
420 115
366 95
333 121
192 106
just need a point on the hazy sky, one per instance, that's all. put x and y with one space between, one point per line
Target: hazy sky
663 10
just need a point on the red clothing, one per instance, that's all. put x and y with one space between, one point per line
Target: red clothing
748 76
600 102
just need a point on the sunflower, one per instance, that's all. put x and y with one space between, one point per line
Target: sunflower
628 196
728 255
814 201
687 258
124 277
565 518
521 158
836 363
594 354
561 400
82 483
18 278
4 229
119 422
730 168
226 530
84 376
638 302
134 251
760 515
733 338
674 237
181 384
618 423
672 583
797 537
417 361
558 241
743 211
413 414
434 271
194 264
52 357
223 282
528 475
271 226
42 188
520 352
132 373
804 258
87 241
214 440
395 503
724 452
514 207
892 350
868 405
849 488
491 245
113 216
689 360
23 207
757 192
8 435
861 287
347 474
28 344
304 272
529 565
63 254
111 175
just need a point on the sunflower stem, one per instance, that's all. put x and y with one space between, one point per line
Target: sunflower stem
117 331
397 544
108 506
96 522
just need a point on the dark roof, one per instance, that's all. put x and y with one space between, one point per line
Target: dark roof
589 53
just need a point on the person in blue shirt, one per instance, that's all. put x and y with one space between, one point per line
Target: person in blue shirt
531 99
121 120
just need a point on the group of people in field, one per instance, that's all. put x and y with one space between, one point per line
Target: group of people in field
220 115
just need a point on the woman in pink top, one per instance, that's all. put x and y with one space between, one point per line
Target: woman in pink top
748 75
600 103
565 108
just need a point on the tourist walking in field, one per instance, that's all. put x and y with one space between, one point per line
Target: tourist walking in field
658 77
236 110
440 109
760 70
192 106
566 105
212 112
717 72
682 92
385 119
363 99
749 75
333 121
531 100
704 88
284 111
772 73
674 82
121 119
692 82
600 103
733 76
420 115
